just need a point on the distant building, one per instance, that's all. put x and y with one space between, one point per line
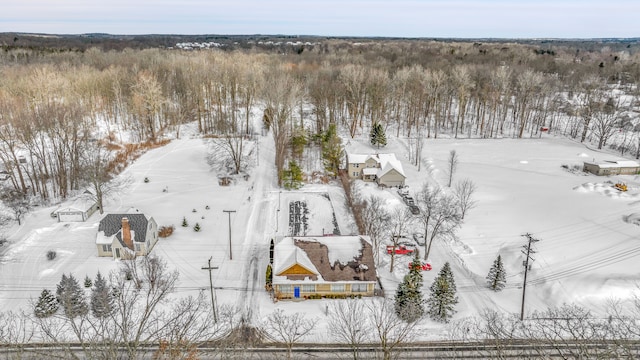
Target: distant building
384 169
323 266
125 236
615 167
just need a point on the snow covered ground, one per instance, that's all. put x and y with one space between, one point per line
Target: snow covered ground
587 253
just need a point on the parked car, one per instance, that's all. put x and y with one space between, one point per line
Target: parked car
409 200
414 209
423 266
400 250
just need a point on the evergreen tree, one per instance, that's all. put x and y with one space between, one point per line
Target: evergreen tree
196 227
101 298
332 151
87 282
47 304
292 177
377 136
496 279
441 302
184 222
71 297
409 301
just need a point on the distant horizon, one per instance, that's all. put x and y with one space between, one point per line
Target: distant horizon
453 19
322 36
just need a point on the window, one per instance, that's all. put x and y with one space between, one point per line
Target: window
308 288
358 287
337 287
356 165
356 174
106 248
285 288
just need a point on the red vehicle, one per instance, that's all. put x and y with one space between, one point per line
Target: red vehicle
400 249
423 267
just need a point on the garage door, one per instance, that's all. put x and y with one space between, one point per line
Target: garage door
69 216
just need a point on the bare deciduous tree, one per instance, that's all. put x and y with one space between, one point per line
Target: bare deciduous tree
400 220
439 215
287 329
375 219
464 191
390 332
348 325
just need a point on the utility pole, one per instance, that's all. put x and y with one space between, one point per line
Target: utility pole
213 299
527 252
229 212
278 213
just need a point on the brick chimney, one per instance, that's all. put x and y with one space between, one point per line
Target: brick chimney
126 233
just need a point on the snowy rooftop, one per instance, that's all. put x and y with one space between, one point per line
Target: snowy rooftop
332 258
615 163
385 161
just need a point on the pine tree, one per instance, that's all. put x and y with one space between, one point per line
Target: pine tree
377 136
184 222
292 177
409 301
87 282
441 302
101 298
47 305
71 297
496 279
196 227
332 151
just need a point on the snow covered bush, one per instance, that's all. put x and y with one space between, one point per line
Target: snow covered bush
51 255
166 231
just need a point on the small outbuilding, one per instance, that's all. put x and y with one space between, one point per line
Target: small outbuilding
612 167
79 210
323 266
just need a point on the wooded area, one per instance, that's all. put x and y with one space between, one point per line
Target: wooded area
57 103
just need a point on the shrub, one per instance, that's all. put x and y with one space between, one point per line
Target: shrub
146 179
166 231
51 254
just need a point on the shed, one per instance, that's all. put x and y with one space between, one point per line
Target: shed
612 167
79 210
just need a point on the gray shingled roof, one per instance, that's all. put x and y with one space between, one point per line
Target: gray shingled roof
112 225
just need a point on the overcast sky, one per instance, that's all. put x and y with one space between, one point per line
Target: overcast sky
401 18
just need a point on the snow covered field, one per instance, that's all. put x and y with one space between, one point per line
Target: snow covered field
587 253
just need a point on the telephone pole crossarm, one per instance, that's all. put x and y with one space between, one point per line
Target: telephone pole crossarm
213 299
527 251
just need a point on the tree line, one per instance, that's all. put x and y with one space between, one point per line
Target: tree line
55 107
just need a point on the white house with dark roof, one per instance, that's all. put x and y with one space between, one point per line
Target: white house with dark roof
384 169
125 236
323 266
